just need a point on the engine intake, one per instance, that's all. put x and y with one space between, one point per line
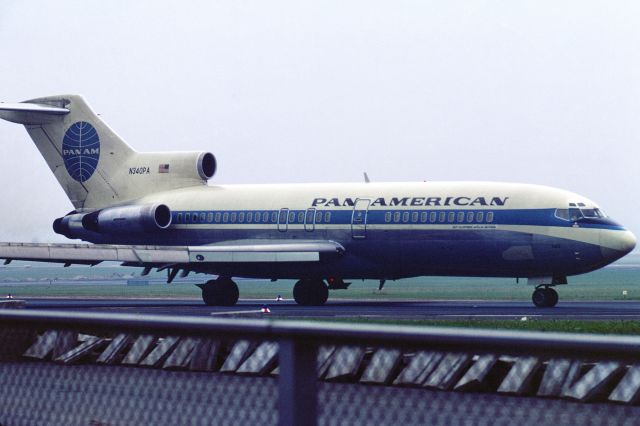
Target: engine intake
206 165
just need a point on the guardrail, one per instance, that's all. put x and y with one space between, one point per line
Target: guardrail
579 367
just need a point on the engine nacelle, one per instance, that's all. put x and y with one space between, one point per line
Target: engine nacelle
175 167
114 220
128 219
70 225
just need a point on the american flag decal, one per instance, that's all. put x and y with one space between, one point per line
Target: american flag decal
163 168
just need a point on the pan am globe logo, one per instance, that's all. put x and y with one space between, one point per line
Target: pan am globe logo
81 150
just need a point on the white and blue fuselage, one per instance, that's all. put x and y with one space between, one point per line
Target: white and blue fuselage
397 230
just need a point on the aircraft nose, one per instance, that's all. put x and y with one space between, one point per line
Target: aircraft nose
617 244
627 241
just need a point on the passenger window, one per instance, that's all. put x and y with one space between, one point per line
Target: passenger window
241 217
257 217
414 217
405 217
319 217
292 217
327 217
187 217
202 217
233 217
451 217
274 217
423 217
249 217
387 217
225 217
396 217
441 217
480 216
301 217
460 216
470 217
209 217
179 217
489 217
432 217
218 216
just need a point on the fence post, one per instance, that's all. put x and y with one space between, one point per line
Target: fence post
297 383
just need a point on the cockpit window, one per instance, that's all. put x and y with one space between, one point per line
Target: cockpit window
575 213
592 213
572 213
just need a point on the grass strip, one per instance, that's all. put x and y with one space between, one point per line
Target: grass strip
623 327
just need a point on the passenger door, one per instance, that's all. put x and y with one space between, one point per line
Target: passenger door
283 220
359 218
310 220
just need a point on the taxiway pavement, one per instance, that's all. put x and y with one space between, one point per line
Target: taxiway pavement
450 309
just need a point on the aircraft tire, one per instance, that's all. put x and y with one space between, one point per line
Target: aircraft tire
552 297
220 292
544 297
539 298
310 292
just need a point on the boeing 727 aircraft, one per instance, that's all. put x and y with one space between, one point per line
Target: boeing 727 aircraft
156 210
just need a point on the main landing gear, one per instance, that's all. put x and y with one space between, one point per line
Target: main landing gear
220 292
544 297
310 292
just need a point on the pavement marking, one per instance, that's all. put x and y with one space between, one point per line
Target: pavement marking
253 311
488 315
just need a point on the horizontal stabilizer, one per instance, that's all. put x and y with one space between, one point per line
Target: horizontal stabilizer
27 113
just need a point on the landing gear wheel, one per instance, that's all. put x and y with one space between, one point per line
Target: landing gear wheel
310 292
220 292
553 297
545 297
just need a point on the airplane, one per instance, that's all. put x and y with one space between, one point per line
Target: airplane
157 210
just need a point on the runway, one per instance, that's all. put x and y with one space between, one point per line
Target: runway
443 310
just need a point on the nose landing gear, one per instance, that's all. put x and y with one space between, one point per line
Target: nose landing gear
544 297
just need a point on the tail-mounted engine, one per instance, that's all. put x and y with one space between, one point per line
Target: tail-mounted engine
174 168
115 220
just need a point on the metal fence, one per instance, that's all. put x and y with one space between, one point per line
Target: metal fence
111 369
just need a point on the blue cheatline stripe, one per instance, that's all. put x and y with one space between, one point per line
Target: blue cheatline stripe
388 217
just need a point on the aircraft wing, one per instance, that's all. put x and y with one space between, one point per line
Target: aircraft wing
173 258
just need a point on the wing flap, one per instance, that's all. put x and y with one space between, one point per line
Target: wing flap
308 251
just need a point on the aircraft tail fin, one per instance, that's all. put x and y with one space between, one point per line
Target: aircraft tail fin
94 166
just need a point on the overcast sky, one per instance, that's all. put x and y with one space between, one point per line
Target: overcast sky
543 92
